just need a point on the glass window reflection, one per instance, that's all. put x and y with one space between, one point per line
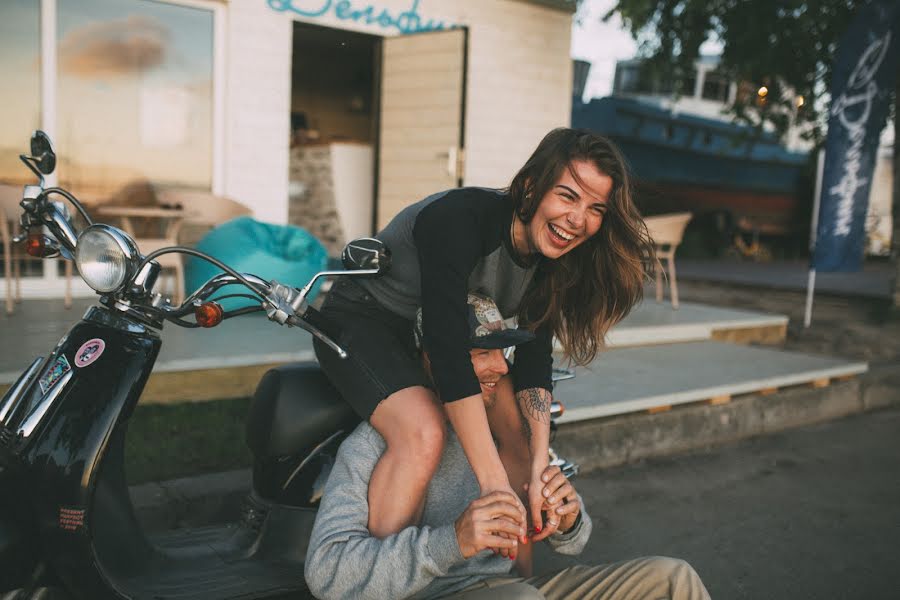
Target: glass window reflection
134 97
20 86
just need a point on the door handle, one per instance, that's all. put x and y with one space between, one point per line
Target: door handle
454 156
451 156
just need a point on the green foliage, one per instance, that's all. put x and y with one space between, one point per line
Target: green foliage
181 440
786 45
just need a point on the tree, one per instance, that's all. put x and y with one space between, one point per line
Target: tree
785 45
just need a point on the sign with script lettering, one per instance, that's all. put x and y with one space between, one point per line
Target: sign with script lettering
863 79
388 17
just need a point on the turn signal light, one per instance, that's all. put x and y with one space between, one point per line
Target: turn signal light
40 246
209 314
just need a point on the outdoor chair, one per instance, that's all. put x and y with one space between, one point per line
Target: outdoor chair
666 231
14 254
203 211
176 217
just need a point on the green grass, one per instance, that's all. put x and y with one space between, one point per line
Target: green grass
180 440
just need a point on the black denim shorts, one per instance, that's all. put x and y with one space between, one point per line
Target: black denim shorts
381 344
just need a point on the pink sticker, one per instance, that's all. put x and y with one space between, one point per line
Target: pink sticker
89 352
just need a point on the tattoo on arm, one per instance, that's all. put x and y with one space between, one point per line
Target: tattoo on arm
535 404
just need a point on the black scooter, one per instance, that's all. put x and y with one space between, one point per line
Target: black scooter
67 525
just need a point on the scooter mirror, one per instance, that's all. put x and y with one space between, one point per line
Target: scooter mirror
42 152
366 253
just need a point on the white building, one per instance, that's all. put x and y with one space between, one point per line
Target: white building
399 98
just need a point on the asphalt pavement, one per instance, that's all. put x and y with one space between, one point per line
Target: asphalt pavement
806 514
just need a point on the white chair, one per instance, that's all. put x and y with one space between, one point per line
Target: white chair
14 254
202 211
173 262
667 231
159 228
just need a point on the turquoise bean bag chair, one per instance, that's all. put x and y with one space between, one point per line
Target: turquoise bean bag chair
286 253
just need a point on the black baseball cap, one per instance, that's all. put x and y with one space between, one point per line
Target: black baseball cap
487 327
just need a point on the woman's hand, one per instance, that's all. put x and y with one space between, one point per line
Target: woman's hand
534 407
471 425
490 522
559 502
537 499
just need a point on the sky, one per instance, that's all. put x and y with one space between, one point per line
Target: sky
602 44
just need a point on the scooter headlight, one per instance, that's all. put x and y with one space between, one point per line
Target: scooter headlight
106 257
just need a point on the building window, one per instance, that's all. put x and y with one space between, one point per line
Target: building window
715 87
134 97
20 86
628 79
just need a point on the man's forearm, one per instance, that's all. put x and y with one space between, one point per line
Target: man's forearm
470 422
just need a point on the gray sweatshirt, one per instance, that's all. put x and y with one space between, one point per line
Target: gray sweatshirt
345 561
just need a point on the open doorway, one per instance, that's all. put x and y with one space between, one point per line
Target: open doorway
334 110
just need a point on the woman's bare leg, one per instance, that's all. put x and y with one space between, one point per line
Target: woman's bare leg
412 424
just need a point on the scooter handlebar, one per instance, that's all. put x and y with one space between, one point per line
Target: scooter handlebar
283 304
313 322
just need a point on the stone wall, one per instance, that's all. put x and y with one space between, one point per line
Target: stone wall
312 203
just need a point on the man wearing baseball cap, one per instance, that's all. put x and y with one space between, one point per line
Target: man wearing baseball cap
450 552
490 335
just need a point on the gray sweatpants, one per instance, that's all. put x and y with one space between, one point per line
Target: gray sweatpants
646 578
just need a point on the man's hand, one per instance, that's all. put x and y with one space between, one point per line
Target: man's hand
560 502
520 521
490 522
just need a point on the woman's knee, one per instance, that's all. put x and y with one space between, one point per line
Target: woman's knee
412 421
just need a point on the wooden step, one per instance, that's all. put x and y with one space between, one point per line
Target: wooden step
653 378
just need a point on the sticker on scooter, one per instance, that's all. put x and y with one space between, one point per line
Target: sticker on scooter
56 371
71 519
89 352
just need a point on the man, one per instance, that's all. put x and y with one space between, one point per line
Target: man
454 549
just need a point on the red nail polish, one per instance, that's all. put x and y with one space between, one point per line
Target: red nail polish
537 528
512 557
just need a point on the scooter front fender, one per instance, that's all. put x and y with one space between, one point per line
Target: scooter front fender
19 548
106 360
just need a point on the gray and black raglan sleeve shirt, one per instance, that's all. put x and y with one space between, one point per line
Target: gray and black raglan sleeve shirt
344 560
444 247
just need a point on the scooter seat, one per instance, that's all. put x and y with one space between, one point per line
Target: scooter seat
295 406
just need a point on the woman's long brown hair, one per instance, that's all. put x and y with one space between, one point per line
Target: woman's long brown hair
595 285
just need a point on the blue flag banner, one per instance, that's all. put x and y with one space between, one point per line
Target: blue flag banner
863 78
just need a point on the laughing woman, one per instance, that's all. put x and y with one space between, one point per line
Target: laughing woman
563 248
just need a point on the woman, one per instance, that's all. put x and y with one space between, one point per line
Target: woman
562 248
